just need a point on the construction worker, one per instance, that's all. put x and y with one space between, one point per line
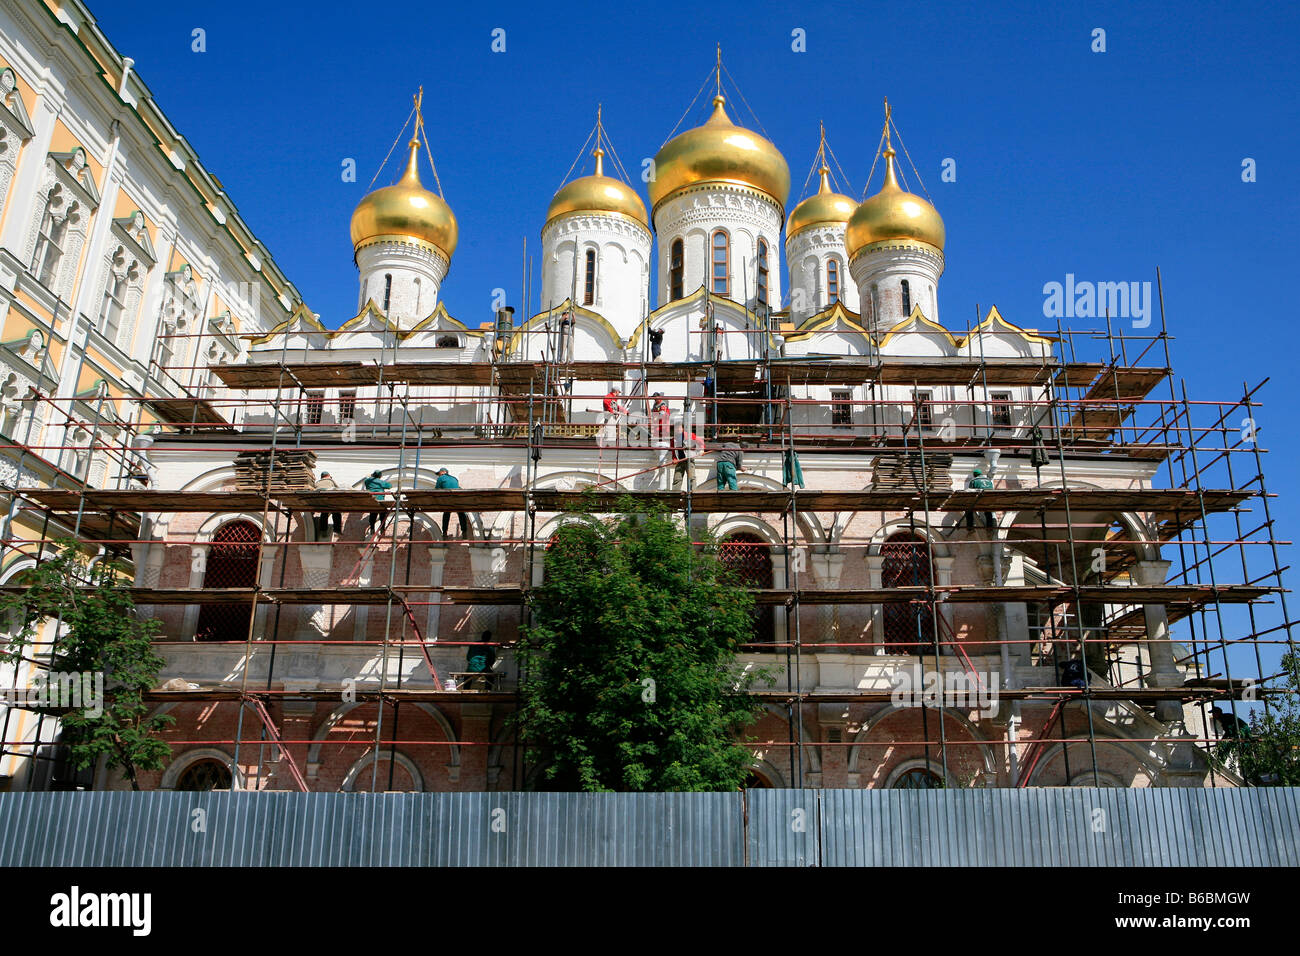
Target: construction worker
326 483
446 480
1231 727
730 460
686 447
614 412
978 482
375 484
1233 734
479 659
660 416
656 344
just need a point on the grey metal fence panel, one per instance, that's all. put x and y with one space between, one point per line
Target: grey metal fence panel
783 828
1074 827
1034 827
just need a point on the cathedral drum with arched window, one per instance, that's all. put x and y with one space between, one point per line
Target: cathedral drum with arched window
231 563
906 562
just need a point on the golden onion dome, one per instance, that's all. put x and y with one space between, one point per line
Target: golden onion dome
823 207
406 211
893 214
598 194
720 152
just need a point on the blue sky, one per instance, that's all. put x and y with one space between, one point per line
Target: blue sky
1101 165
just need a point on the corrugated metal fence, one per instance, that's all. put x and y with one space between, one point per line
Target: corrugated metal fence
1076 827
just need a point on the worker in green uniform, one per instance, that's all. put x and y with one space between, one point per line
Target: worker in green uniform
979 482
730 460
479 659
376 484
448 481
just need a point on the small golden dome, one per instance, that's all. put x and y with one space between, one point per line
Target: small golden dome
892 214
406 210
720 152
826 206
598 193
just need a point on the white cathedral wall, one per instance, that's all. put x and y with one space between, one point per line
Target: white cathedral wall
694 215
622 266
808 252
417 273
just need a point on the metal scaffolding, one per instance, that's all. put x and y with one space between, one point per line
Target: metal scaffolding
1227 590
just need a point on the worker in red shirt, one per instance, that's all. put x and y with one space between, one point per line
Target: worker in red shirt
611 429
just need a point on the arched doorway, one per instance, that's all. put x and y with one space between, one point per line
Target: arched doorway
232 563
749 558
906 562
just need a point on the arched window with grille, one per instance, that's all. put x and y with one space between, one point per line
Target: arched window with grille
232 563
721 263
906 562
907 298
204 775
589 283
676 270
918 778
388 292
832 281
749 558
762 274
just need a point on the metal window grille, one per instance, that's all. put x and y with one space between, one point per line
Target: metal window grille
909 628
204 775
232 563
749 558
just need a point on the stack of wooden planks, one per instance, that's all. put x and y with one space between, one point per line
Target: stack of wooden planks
293 469
903 472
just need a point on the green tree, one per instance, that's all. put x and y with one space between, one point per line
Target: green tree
1270 755
99 633
632 682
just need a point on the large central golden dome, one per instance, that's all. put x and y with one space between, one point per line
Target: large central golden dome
893 214
720 152
598 194
824 207
406 211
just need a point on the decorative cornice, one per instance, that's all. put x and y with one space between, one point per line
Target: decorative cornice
597 222
715 188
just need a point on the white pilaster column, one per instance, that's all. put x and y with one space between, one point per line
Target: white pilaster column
828 566
267 579
943 578
317 560
198 566
361 613
875 564
486 562
437 561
